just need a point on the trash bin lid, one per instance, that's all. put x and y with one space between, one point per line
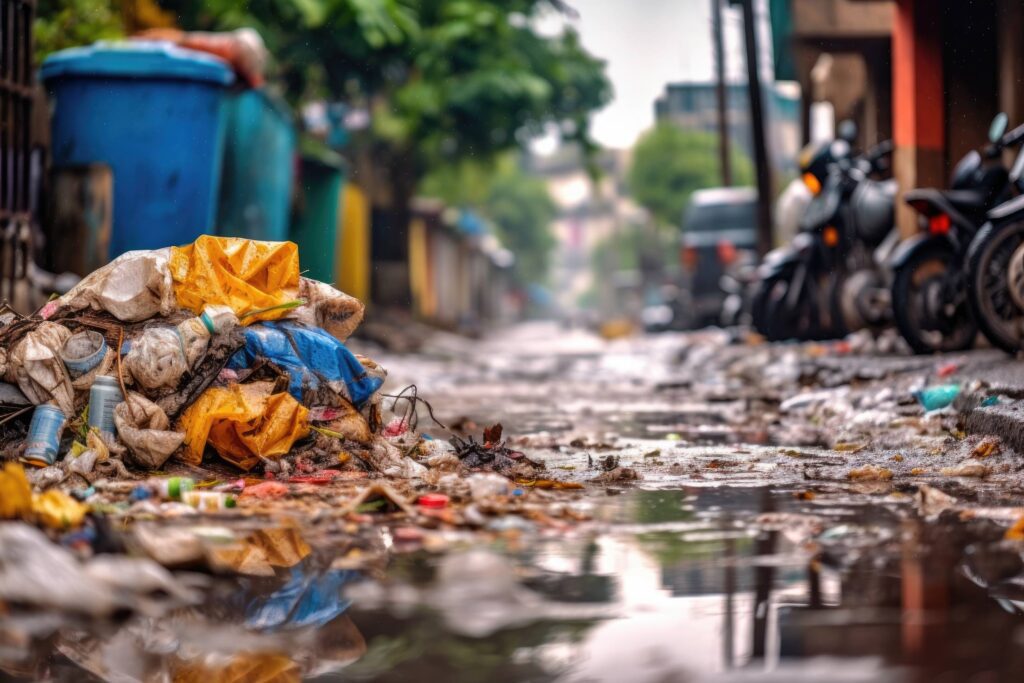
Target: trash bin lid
137 59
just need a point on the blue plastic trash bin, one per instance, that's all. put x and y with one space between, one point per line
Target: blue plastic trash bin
259 168
153 112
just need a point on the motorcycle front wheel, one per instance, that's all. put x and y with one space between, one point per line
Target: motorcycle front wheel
771 313
925 306
995 265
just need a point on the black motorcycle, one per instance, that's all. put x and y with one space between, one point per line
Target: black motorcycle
929 291
995 263
828 282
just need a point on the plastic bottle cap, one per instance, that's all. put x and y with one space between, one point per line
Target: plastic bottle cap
434 501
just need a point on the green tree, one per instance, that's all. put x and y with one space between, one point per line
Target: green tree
670 163
445 80
67 23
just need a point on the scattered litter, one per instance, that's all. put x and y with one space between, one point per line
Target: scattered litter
988 447
870 473
968 468
937 397
931 502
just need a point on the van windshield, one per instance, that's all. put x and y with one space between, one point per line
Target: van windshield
721 217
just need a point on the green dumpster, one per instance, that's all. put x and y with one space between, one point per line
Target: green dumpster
259 151
315 220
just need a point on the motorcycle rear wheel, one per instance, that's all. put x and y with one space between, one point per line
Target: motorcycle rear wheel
918 297
998 315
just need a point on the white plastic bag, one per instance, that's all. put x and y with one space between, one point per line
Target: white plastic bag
156 359
35 366
144 428
162 355
336 312
135 286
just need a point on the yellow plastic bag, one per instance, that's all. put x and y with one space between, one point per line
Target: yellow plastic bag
240 667
58 510
245 275
15 492
53 508
242 422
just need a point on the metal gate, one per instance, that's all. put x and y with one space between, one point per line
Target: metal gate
15 141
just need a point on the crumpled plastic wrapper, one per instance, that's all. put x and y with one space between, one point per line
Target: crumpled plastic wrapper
145 429
250 277
36 367
387 459
155 359
244 423
135 286
336 312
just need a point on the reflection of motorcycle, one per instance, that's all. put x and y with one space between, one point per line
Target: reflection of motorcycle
929 294
830 279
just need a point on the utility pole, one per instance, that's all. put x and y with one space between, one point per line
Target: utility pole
761 162
723 120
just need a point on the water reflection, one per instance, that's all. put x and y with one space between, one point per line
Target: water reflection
700 583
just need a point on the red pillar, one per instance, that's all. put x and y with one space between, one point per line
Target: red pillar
918 101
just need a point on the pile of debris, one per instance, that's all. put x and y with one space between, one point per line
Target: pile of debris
214 379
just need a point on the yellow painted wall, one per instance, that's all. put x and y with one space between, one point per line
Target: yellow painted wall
354 244
418 273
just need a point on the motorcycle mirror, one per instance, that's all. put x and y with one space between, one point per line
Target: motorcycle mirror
998 127
847 131
840 149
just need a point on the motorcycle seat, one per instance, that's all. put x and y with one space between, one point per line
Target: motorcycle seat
967 201
958 204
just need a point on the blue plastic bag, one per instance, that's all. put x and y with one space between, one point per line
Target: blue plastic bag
312 358
306 599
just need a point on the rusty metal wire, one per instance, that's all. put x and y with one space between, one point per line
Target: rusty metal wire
410 395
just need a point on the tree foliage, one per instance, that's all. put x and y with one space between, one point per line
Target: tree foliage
67 23
669 164
445 79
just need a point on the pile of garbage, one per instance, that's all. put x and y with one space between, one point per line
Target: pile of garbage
214 379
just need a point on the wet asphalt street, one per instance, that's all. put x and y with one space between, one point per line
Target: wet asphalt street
711 509
756 512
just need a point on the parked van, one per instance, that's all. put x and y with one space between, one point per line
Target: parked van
719 232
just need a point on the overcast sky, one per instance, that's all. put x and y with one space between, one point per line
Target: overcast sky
648 43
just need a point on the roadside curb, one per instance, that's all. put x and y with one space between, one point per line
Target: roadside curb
1005 421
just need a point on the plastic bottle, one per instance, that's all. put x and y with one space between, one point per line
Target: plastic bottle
484 485
208 501
195 333
171 488
104 396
